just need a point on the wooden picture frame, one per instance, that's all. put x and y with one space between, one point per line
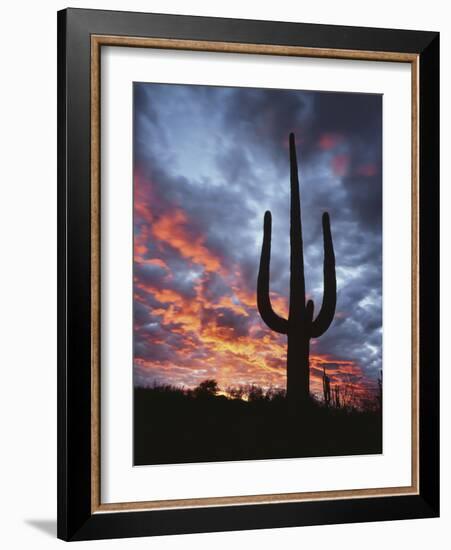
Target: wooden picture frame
81 35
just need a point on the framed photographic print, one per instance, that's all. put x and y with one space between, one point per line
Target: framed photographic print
248 274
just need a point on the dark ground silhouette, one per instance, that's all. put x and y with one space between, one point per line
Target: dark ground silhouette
172 425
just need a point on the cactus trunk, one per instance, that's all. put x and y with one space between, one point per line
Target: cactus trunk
298 368
299 326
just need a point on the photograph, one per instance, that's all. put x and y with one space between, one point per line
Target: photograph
257 273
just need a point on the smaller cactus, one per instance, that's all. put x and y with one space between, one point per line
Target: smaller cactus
379 390
337 397
326 388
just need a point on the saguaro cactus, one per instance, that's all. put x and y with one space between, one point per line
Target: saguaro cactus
326 388
337 397
300 326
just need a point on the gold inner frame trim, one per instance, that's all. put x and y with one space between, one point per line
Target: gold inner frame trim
97 41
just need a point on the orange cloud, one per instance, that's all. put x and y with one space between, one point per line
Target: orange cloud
172 228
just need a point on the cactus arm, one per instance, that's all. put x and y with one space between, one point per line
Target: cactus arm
327 311
269 316
309 311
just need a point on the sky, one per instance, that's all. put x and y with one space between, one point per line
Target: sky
208 162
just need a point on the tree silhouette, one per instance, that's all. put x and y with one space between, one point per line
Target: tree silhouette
207 388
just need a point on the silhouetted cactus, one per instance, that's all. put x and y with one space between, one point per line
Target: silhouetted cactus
326 388
379 390
300 326
337 397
